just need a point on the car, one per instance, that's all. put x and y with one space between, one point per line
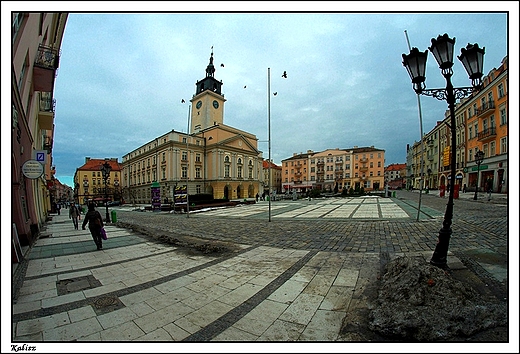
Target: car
114 203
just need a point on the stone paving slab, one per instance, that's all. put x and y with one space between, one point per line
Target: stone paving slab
283 288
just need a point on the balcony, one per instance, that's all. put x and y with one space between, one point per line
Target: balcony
487 134
47 143
44 70
46 111
363 160
363 169
486 109
339 162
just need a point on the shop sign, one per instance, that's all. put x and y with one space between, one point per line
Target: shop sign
482 167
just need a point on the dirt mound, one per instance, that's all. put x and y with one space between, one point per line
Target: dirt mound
420 302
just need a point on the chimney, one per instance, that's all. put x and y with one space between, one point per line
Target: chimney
87 159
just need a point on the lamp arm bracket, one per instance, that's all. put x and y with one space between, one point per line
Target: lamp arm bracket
458 93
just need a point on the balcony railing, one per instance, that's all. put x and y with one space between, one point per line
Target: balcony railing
486 108
487 134
44 70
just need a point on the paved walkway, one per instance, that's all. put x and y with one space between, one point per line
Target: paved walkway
278 286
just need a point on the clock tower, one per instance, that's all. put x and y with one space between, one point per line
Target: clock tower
208 101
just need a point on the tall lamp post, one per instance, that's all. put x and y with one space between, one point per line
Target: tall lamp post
479 157
105 170
472 57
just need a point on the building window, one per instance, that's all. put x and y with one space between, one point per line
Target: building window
503 145
185 156
198 188
239 171
503 116
197 157
500 90
184 172
470 132
492 149
250 172
164 156
486 151
226 159
226 170
197 172
164 173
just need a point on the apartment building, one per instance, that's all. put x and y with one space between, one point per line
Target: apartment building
296 173
36 41
89 184
487 131
481 125
213 158
334 170
276 177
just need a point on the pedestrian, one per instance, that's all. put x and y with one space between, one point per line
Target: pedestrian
74 215
464 188
58 207
489 187
257 196
95 223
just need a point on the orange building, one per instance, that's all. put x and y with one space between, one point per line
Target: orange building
487 131
334 170
276 177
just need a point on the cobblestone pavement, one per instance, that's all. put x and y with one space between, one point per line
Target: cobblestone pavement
307 275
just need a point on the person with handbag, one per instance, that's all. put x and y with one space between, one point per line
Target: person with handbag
95 224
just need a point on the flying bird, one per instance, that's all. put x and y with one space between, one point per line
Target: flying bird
222 65
284 75
245 86
275 93
182 101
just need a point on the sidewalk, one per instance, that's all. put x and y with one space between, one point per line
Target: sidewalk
137 289
499 198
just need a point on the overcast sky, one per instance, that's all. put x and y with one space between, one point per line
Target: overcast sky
122 76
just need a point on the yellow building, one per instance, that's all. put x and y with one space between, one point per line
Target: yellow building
214 158
89 184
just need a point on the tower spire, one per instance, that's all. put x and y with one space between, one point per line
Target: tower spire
210 70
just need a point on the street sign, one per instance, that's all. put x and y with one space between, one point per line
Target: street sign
32 169
40 156
482 167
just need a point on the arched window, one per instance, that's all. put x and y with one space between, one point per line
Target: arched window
226 159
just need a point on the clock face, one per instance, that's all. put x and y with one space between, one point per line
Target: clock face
215 104
199 104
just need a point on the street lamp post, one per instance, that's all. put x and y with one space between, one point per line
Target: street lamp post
479 157
415 63
105 170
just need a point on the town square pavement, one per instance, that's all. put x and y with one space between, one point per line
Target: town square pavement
272 272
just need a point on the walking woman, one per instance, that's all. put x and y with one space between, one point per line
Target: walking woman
95 223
